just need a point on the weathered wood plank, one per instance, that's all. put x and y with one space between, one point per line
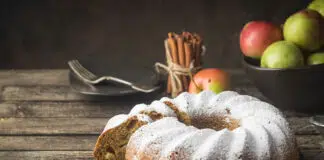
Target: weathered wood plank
87 142
28 109
34 77
312 154
24 109
84 109
39 93
47 126
302 126
60 76
48 143
65 93
46 155
82 155
314 142
18 126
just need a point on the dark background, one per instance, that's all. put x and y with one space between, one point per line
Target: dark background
47 33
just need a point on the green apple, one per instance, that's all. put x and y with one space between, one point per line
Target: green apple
305 28
317 5
316 58
282 54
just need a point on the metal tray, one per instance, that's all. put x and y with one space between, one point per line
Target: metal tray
128 70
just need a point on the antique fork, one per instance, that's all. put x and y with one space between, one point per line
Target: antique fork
90 78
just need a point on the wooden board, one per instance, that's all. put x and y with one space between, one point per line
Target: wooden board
30 126
46 155
87 142
61 109
34 77
48 143
60 77
42 118
16 126
85 155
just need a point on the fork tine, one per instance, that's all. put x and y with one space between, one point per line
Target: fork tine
91 78
84 71
75 68
81 70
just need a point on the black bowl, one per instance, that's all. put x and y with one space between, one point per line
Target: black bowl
296 89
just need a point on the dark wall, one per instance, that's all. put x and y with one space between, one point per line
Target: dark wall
47 33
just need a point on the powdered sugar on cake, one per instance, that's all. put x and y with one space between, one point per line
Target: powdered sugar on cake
260 131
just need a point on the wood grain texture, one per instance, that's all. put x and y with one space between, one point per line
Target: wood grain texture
42 118
39 93
313 142
87 142
302 126
34 77
46 155
60 76
32 109
35 109
64 93
84 155
312 154
47 126
48 143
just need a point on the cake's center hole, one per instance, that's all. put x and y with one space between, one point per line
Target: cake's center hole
215 122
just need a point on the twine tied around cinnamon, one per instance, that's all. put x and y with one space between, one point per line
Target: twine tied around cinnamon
175 70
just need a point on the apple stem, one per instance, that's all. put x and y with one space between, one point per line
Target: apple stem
192 79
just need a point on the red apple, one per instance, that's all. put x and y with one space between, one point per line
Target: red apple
212 79
256 36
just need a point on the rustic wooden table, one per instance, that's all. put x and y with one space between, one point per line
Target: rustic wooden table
42 118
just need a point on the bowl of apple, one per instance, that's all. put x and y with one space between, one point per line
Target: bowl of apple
286 63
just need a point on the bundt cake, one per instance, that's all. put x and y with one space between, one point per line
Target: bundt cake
204 126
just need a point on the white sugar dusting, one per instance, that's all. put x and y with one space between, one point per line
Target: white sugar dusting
119 119
263 132
238 143
260 142
115 121
138 108
217 101
213 146
144 118
160 107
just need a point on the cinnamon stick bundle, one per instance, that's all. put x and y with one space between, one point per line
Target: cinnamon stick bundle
184 48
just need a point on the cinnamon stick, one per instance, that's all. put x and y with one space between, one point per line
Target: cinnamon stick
187 36
182 58
174 53
188 52
198 49
194 49
198 53
183 49
169 85
173 48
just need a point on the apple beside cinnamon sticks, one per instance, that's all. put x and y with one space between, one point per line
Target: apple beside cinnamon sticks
184 48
